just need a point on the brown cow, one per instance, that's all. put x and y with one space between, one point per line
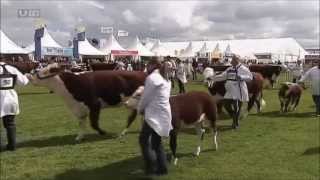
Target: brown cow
86 93
189 109
255 88
103 66
289 96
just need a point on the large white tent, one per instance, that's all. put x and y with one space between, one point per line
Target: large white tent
287 49
159 50
46 42
137 46
85 48
188 51
9 47
111 44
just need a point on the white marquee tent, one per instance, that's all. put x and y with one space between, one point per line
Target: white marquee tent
9 47
159 50
85 48
111 44
188 51
137 46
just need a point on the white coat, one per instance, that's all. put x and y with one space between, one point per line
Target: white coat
155 103
9 103
181 73
313 75
236 88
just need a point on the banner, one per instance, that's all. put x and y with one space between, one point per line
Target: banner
81 36
38 34
107 30
122 33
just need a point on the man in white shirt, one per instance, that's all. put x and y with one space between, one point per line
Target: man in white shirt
236 88
181 76
297 71
313 75
155 106
9 104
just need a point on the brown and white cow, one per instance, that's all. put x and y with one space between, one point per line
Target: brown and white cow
188 110
103 66
289 96
86 93
268 71
255 87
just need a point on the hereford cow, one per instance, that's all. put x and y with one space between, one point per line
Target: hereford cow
189 109
103 66
289 96
86 93
269 72
255 87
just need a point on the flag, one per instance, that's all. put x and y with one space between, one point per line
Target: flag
38 34
107 30
122 33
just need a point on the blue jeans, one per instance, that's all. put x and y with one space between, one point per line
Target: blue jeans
316 100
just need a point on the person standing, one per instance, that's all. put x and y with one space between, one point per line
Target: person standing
155 106
236 88
181 76
194 69
9 104
313 74
297 71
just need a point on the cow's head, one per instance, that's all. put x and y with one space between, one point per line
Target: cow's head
208 75
133 101
42 76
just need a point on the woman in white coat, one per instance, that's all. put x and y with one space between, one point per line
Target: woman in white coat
181 76
236 88
9 104
155 106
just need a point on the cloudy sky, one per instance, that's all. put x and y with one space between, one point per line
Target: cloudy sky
168 20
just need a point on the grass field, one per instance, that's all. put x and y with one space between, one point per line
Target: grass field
267 145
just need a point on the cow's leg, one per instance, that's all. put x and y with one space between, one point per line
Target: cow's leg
251 102
83 127
228 106
219 107
200 132
94 118
131 118
286 105
281 104
173 145
296 103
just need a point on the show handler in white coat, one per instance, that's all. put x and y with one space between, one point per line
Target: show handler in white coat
236 88
155 106
9 104
181 76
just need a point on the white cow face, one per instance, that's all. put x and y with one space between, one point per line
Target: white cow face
42 77
208 75
133 101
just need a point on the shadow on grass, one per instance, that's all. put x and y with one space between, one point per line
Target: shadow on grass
277 114
312 151
125 169
64 140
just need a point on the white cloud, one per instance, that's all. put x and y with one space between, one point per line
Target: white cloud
94 4
200 23
130 17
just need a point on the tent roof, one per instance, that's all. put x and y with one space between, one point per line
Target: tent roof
9 47
204 48
46 41
189 51
159 50
85 48
137 46
112 44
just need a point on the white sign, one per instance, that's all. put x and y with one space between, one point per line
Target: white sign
106 30
122 33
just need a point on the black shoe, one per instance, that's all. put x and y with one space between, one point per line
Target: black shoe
162 172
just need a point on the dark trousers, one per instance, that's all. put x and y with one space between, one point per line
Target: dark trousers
194 75
10 126
181 87
316 100
152 151
234 108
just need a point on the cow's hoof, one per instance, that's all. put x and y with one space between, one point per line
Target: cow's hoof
197 152
79 139
102 132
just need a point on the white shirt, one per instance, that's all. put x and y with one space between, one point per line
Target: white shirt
236 89
155 103
181 73
313 74
9 103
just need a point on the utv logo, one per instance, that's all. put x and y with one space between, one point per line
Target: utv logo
28 13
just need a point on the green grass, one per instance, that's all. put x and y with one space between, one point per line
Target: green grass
267 145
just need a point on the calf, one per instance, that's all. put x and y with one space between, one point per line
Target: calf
189 109
255 87
86 93
289 96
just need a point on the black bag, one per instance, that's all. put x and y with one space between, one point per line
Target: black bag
7 80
